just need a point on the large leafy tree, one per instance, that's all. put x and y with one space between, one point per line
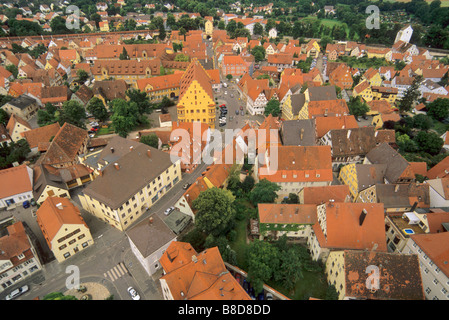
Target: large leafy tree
263 262
215 212
125 116
357 107
429 142
97 109
264 192
74 113
141 99
438 109
411 95
273 108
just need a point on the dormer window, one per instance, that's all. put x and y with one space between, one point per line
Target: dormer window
21 256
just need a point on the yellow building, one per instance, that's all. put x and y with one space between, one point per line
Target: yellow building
209 25
359 177
384 93
162 86
363 89
373 77
104 26
380 119
127 187
63 227
196 99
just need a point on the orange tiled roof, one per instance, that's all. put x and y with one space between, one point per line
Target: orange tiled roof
51 217
41 134
14 181
301 164
343 229
324 124
198 276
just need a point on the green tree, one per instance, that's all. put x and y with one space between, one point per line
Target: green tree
97 108
264 192
422 121
259 53
214 211
273 108
292 198
124 55
357 107
13 69
125 116
74 113
151 140
263 261
428 142
324 41
258 29
141 99
229 76
48 115
438 109
82 75
4 117
411 95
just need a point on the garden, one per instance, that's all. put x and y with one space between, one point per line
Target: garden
222 220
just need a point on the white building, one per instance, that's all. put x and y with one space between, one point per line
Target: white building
148 240
272 33
405 34
438 193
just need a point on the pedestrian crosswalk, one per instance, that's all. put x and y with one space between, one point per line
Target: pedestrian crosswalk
116 272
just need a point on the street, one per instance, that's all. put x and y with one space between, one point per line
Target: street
108 262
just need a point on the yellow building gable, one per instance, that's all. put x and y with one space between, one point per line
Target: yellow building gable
348 175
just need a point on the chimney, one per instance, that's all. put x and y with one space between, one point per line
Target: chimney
325 112
131 148
112 150
414 206
149 153
116 166
150 221
59 206
194 259
396 188
302 133
362 216
349 134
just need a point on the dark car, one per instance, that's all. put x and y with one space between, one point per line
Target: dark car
236 112
26 204
186 186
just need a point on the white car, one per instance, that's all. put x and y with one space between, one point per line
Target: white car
133 293
169 210
17 292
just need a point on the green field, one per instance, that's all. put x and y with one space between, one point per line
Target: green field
444 3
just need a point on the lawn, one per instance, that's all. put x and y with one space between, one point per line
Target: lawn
103 131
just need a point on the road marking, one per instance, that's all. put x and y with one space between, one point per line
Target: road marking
116 272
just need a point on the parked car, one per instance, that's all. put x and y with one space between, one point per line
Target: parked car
237 112
186 186
222 124
26 204
169 210
241 107
17 292
33 202
133 293
242 113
